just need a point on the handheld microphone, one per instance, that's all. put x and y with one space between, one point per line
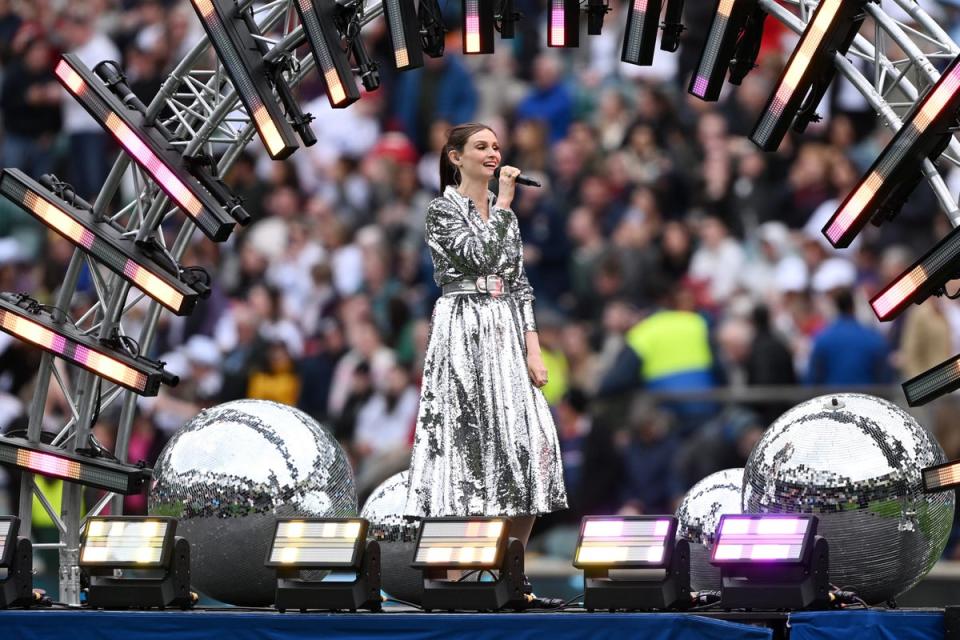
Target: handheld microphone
521 179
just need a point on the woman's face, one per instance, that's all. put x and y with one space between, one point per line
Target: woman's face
480 157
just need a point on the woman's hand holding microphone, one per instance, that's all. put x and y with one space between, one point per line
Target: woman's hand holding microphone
508 185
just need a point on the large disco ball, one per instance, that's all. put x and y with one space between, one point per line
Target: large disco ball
854 460
229 473
698 515
397 537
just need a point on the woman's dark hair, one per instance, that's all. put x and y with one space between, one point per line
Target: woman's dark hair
456 140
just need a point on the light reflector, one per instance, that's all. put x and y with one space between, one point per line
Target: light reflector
625 541
100 240
725 28
563 25
454 542
640 36
761 538
477 26
402 27
8 535
56 463
926 275
143 543
22 318
931 384
146 146
319 25
921 136
317 543
941 477
831 29
239 54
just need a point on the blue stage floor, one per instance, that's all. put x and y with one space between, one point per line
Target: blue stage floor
244 625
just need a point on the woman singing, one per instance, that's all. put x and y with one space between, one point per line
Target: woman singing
485 440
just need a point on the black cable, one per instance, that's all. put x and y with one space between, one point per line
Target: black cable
572 601
404 602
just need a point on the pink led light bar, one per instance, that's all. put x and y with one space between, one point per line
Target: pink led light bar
763 538
557 26
863 201
639 541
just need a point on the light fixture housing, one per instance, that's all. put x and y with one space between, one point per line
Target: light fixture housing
924 134
933 383
135 561
319 20
633 563
771 561
727 28
563 23
23 318
805 79
336 544
477 26
53 462
640 35
926 276
239 53
105 243
474 543
941 477
16 560
146 146
403 31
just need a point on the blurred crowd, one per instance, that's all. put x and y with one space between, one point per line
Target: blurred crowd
668 255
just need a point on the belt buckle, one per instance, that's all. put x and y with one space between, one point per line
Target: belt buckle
492 285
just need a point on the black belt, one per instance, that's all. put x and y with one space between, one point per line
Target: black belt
492 285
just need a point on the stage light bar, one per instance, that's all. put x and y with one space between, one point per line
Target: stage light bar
146 146
317 543
927 275
633 563
831 29
403 29
8 535
640 36
625 542
726 27
761 538
477 26
771 561
931 384
238 52
468 543
320 27
16 562
147 545
563 25
942 477
141 543
53 462
922 136
338 544
100 240
25 320
458 543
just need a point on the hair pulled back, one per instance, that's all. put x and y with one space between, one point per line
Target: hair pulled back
456 140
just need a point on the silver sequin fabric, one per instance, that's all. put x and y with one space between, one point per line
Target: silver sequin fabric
485 440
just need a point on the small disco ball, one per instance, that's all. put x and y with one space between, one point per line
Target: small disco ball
397 537
229 473
854 461
698 515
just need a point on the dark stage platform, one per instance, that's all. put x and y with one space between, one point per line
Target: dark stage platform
397 622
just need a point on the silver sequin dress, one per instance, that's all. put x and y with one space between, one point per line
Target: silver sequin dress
485 441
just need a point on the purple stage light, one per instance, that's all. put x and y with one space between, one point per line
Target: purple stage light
773 537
